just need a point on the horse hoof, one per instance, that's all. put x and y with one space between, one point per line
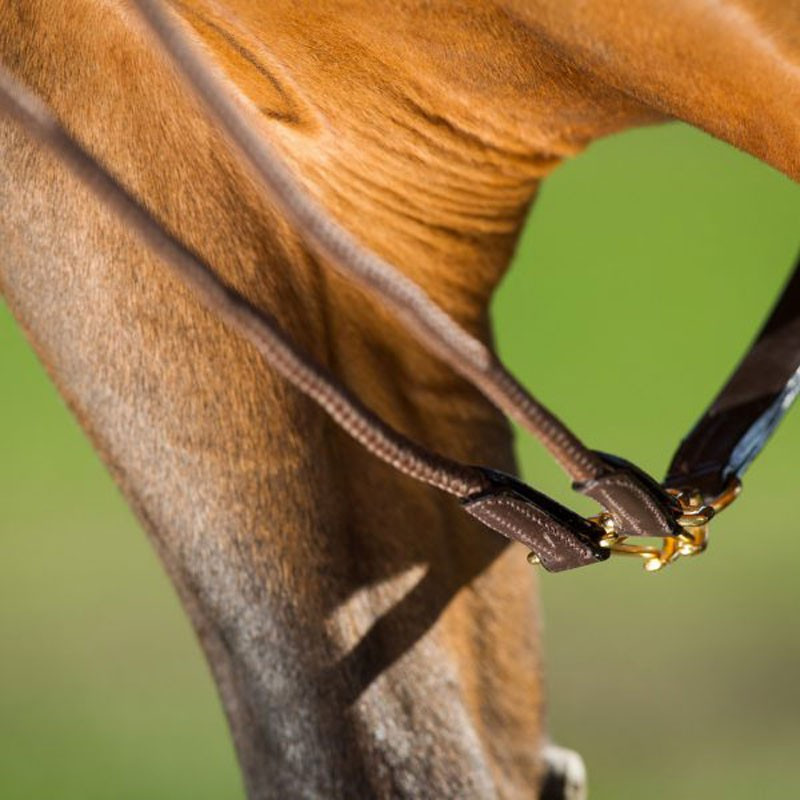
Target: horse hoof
565 775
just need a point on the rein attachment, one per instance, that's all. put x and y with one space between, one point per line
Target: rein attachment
702 480
694 516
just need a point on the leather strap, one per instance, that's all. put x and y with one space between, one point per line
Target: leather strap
558 537
743 416
640 506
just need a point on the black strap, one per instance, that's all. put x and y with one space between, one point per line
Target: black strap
737 425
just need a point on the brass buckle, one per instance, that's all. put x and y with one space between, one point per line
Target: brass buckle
694 516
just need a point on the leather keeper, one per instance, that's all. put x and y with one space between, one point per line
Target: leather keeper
637 503
560 538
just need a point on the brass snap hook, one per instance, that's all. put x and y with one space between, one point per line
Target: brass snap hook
693 516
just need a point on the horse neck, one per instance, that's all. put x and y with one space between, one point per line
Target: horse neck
356 623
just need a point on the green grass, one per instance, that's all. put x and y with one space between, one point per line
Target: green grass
646 268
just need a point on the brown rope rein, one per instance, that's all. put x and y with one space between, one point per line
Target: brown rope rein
423 318
635 503
430 324
261 330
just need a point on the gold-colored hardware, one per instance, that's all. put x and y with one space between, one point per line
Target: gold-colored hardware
694 517
692 514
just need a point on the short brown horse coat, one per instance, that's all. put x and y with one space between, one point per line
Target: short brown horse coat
366 638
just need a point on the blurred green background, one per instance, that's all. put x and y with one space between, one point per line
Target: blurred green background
647 266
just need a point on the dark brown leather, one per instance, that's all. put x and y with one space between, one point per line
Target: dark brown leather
639 506
744 414
559 537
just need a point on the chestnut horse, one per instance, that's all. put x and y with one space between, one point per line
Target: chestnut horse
366 637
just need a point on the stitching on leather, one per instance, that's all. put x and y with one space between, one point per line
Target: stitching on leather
485 507
625 482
